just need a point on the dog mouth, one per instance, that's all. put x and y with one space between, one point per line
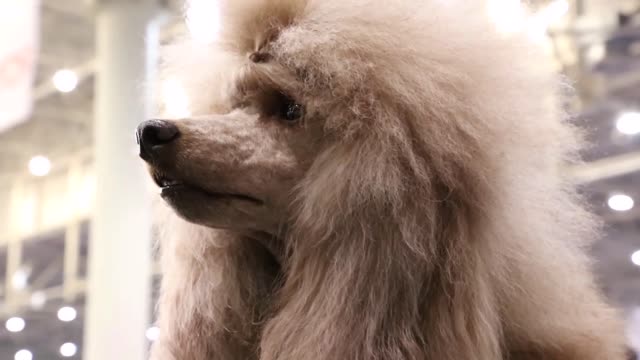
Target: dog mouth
171 187
165 182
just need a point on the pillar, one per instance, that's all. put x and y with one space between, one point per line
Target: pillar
118 304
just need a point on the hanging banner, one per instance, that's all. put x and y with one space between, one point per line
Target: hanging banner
19 39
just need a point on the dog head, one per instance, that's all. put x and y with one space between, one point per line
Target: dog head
309 109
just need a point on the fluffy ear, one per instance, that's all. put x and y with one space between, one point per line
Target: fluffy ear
249 25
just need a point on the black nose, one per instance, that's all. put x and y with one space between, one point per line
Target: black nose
153 134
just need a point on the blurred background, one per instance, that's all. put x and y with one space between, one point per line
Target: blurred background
72 199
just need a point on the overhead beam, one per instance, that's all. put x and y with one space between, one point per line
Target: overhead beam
48 274
51 295
606 168
86 70
83 71
73 9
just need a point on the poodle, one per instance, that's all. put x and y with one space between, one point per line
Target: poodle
371 180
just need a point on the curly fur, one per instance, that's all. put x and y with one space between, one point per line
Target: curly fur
433 224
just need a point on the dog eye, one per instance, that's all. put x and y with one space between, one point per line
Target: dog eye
294 112
291 111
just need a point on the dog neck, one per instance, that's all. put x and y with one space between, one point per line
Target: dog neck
273 244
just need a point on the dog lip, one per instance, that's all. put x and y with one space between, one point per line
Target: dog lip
165 181
170 186
174 190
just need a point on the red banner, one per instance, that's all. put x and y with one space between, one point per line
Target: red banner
19 35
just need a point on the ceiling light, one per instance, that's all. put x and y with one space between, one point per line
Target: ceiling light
620 202
15 324
67 314
629 123
65 80
68 349
20 278
537 30
175 99
38 299
39 166
635 258
23 355
153 333
508 15
203 20
539 23
556 10
596 53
